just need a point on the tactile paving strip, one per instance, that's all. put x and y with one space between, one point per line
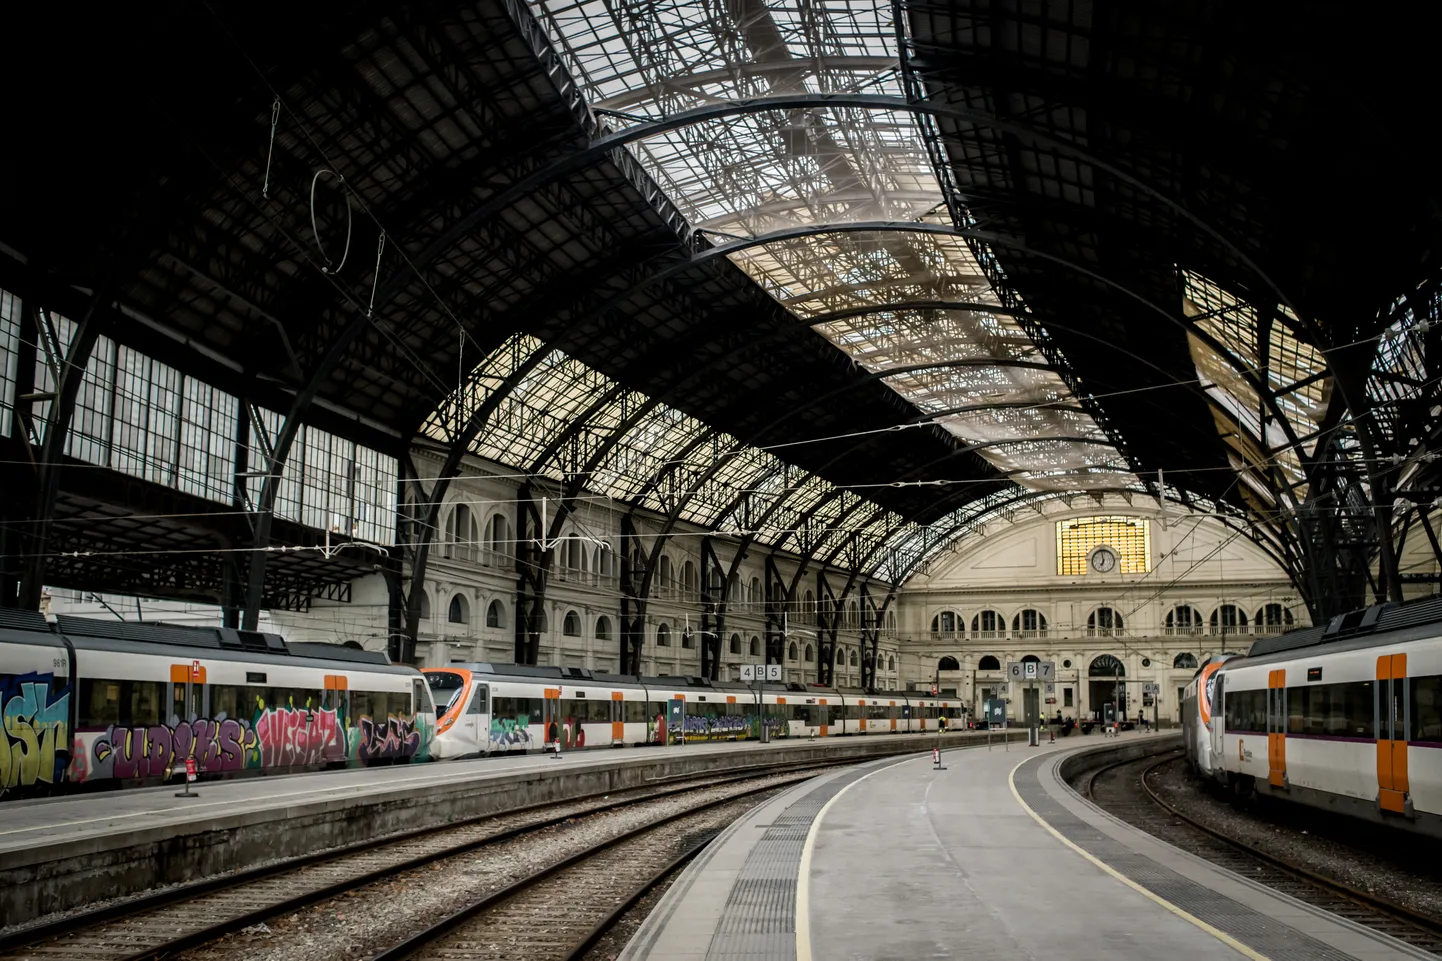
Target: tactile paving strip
758 921
1268 936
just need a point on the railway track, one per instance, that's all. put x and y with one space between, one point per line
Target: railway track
167 922
521 922
1123 789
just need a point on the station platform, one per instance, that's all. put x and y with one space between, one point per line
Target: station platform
58 853
993 857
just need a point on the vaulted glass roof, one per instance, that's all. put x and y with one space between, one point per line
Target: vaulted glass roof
933 329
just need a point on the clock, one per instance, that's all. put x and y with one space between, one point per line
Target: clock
1103 560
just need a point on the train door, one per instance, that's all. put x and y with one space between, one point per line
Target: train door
1213 711
475 722
551 718
618 719
1390 714
187 691
1277 728
825 716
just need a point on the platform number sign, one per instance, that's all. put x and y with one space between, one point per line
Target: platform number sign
760 672
748 672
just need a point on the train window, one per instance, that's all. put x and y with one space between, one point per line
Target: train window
634 712
99 702
1426 708
478 700
1246 711
1327 710
523 710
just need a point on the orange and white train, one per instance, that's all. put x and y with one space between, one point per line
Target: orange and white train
1346 717
488 709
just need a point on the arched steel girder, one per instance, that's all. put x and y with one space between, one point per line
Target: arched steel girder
459 448
604 145
1185 324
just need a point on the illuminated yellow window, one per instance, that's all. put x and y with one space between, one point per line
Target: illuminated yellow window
1129 537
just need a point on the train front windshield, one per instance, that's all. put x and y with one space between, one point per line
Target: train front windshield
446 688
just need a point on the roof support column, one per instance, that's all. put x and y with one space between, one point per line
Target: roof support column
713 610
633 598
530 577
779 600
67 371
827 616
870 639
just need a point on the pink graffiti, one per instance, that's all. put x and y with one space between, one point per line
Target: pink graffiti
290 737
155 751
395 738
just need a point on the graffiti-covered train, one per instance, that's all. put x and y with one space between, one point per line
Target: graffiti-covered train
498 709
1346 717
89 702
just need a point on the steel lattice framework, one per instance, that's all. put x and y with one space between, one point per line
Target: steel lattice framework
844 279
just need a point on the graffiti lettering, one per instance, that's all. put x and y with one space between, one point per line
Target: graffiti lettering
156 750
36 736
395 738
508 732
289 737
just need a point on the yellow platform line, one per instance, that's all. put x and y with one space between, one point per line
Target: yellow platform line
1217 933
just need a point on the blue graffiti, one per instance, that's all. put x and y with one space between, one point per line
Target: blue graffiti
35 744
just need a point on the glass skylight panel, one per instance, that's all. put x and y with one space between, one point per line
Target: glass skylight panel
756 174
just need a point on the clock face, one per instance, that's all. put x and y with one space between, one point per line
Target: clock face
1103 560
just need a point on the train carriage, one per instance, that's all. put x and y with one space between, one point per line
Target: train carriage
1346 717
101 702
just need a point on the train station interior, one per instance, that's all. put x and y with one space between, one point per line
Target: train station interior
936 357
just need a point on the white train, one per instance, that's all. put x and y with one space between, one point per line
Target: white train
1346 717
497 709
88 701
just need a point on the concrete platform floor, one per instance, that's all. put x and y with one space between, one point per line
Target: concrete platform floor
992 858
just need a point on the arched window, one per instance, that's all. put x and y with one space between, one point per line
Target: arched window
810 653
987 625
755 646
891 622
1106 665
754 593
1184 619
855 659
460 611
948 663
891 663
1029 623
495 615
735 643
663 636
571 626
603 560
688 640
1228 619
603 628
425 606
853 614
1185 661
988 663
733 589
665 577
690 582
498 541
460 534
1104 622
791 652
1031 659
944 623
1273 617
808 608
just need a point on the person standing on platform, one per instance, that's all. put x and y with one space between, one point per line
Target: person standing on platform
941 724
